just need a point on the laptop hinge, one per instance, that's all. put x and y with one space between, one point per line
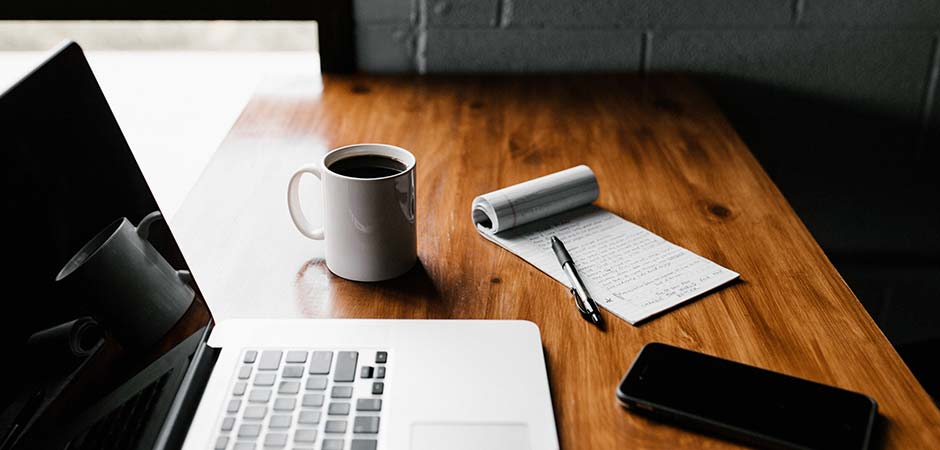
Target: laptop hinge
184 405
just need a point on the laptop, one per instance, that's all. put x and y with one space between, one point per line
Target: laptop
233 384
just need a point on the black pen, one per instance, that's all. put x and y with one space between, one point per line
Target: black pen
582 299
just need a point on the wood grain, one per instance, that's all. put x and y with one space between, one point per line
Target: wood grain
665 158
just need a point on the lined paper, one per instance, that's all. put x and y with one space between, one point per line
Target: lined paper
628 270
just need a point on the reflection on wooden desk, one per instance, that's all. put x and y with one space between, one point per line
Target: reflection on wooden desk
665 158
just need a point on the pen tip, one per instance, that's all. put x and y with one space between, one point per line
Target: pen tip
595 319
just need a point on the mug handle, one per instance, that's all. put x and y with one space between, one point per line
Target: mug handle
293 203
186 277
143 228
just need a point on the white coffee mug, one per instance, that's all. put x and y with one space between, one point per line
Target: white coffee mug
368 223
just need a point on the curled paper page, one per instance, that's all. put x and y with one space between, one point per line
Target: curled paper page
535 199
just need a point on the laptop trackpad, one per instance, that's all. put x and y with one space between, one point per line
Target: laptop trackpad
470 436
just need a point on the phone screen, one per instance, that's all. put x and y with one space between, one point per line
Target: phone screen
746 401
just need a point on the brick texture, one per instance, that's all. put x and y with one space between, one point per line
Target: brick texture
384 11
647 13
498 50
871 12
931 137
385 48
879 70
463 13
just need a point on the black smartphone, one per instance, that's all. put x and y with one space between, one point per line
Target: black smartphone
745 403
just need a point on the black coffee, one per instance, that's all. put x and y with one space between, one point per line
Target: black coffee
367 166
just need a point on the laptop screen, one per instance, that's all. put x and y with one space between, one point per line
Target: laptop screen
73 201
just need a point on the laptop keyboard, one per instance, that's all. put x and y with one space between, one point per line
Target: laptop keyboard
123 426
304 399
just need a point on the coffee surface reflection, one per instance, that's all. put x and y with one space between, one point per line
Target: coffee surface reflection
367 166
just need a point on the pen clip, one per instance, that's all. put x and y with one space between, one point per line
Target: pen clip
579 302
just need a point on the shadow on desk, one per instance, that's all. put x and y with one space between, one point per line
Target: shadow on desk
862 179
406 296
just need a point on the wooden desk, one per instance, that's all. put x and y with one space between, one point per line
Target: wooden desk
666 159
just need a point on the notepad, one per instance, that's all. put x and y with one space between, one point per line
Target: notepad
630 271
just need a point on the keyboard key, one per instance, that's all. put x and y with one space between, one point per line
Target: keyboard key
309 417
342 392
296 357
244 446
259 395
275 440
289 387
285 404
316 383
320 363
369 404
363 444
247 430
255 412
221 443
265 379
346 366
335 426
282 372
270 360
279 421
293 371
332 444
250 356
312 400
305 436
366 424
338 409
